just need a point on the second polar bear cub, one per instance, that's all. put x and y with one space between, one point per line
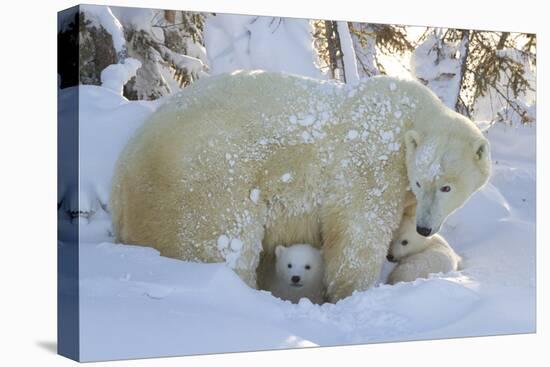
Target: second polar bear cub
298 273
419 256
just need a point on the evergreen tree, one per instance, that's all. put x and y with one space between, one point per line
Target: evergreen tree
500 65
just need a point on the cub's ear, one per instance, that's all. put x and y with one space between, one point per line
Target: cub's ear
279 250
412 139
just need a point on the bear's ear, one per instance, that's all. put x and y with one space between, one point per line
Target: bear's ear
412 139
481 148
279 250
482 157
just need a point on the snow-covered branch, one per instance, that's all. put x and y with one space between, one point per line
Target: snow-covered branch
115 76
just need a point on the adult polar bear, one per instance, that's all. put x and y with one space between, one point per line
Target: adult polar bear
250 160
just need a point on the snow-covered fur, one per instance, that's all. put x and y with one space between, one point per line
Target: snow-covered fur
418 256
239 163
298 273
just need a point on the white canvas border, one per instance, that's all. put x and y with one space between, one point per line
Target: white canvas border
28 148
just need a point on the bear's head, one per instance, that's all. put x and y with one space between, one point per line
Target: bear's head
298 265
406 241
445 167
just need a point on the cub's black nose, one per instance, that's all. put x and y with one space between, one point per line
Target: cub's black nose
389 257
295 279
423 231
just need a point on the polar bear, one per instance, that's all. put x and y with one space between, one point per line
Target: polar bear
418 256
236 164
297 273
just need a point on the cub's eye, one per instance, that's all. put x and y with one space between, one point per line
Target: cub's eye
445 188
307 267
417 184
404 242
289 266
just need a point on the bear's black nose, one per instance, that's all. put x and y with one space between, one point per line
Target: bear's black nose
389 257
423 231
295 279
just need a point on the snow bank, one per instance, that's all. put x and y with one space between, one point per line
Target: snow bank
137 304
253 42
107 120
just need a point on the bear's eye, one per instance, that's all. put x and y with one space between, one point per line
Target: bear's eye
445 188
417 184
289 265
307 267
404 242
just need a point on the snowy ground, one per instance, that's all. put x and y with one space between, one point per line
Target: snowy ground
135 303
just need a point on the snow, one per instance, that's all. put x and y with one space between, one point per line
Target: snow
193 65
116 75
236 244
439 71
223 242
253 42
138 18
307 120
286 177
107 120
135 303
196 50
425 160
255 195
352 135
102 16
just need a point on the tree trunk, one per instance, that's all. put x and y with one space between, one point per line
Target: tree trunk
460 105
332 48
349 60
502 40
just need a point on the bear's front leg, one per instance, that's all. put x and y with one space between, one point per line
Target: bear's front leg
354 252
241 251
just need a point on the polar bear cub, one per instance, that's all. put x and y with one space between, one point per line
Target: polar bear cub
298 273
419 256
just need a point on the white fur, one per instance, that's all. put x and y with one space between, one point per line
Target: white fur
419 256
310 283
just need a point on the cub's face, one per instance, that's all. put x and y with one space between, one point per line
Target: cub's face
443 172
299 265
406 241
